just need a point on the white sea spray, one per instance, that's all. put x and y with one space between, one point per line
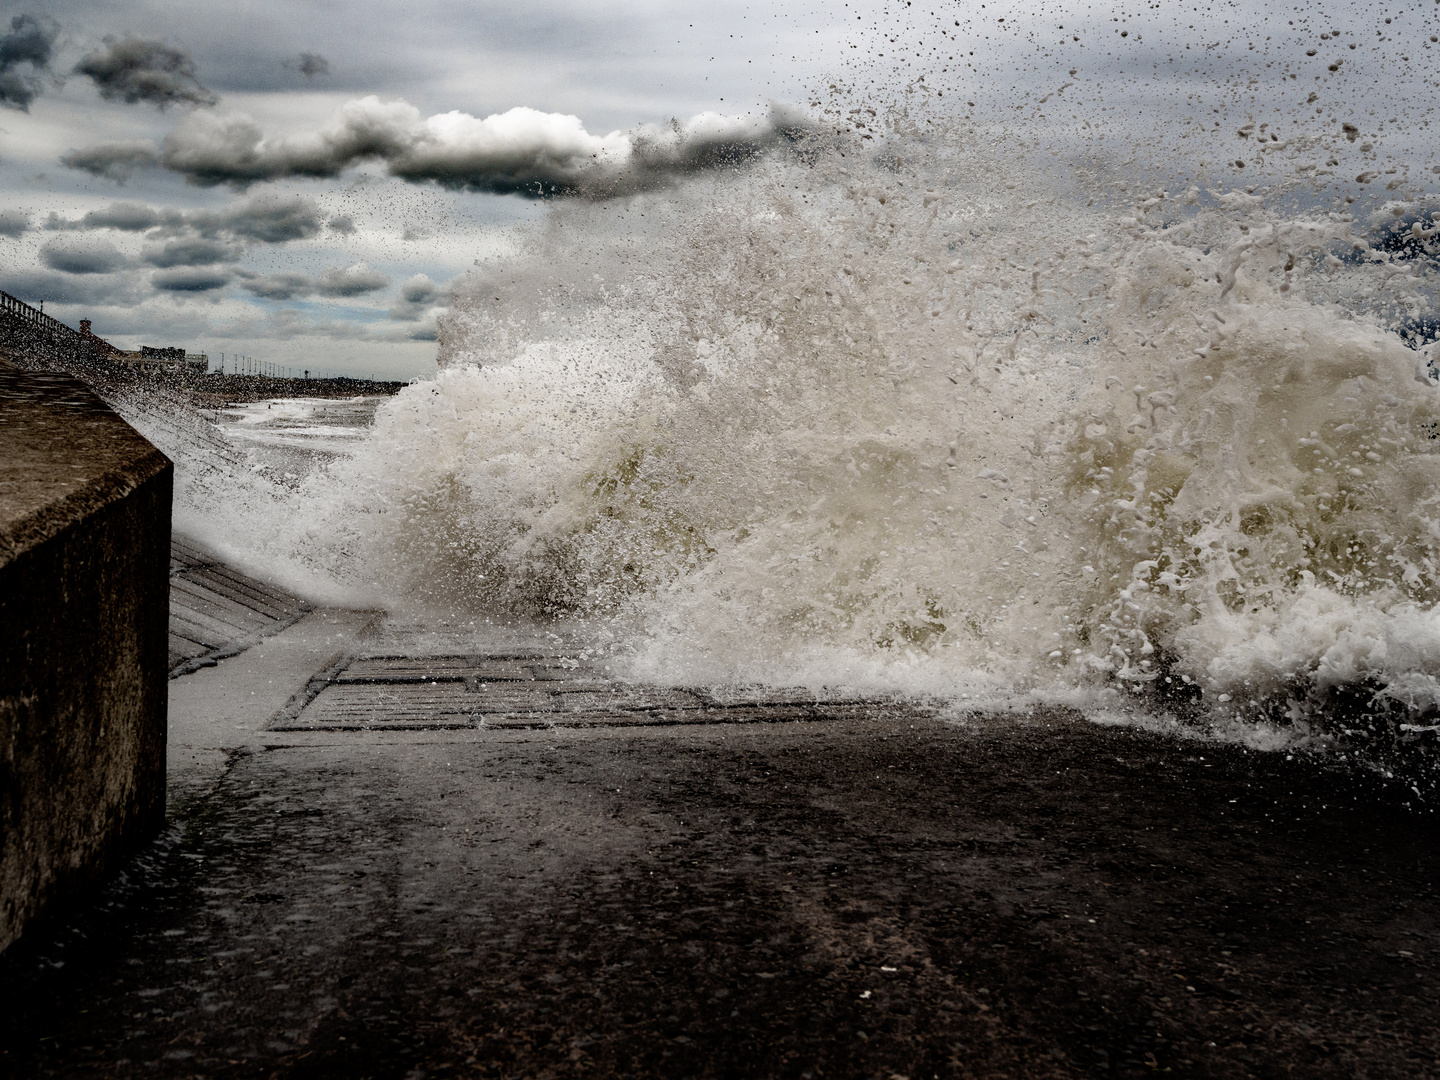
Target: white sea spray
882 427
957 411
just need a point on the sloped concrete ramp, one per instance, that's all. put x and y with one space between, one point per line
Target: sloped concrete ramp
216 611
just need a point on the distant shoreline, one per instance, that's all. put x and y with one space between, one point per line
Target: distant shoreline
215 390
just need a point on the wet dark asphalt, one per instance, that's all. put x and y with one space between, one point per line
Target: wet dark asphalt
859 898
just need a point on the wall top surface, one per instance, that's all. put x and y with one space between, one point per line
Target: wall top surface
64 454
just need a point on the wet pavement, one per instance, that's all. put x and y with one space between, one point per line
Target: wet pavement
488 876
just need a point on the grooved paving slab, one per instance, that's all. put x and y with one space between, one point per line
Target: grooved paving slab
519 690
216 611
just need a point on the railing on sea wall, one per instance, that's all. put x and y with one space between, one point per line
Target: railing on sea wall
16 307
28 332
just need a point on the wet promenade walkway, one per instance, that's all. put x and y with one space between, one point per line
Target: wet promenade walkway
390 858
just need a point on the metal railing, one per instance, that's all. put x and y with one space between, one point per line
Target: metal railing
14 306
51 337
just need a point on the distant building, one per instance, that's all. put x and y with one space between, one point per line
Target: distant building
97 345
172 358
152 358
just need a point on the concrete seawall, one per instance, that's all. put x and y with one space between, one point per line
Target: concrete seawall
84 557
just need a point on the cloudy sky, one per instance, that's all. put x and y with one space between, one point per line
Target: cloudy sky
303 182
133 193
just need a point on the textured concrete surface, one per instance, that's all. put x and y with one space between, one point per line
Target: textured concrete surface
66 455
875 892
84 535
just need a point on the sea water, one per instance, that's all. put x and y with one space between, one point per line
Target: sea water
939 404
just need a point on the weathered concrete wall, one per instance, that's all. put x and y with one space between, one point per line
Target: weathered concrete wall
84 555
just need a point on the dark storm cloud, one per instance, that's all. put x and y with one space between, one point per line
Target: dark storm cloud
309 64
342 224
31 41
283 286
191 251
133 70
35 286
124 216
127 217
112 160
189 279
271 218
285 324
518 152
338 281
13 222
350 281
82 256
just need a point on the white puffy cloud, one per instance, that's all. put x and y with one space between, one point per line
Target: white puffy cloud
418 295
521 151
420 290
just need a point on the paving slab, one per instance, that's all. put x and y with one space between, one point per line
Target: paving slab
222 708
